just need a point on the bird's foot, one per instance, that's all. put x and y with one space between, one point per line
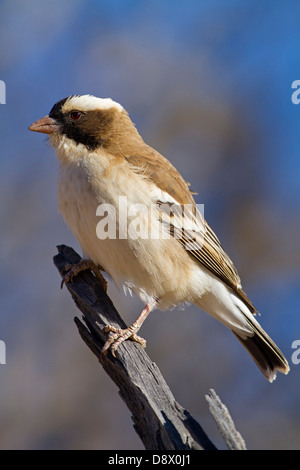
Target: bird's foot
82 265
117 336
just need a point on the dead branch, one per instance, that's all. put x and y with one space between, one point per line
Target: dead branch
161 423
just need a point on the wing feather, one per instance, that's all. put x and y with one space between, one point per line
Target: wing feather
192 231
202 244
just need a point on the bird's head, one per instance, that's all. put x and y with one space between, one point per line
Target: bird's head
90 121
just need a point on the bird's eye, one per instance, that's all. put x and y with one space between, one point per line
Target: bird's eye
75 115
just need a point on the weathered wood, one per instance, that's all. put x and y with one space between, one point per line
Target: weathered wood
231 436
159 420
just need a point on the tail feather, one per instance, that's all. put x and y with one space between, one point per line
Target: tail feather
236 312
264 351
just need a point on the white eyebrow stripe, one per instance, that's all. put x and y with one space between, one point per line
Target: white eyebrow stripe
89 103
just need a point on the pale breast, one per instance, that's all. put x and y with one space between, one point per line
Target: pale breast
150 267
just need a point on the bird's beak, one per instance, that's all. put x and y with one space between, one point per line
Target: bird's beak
46 125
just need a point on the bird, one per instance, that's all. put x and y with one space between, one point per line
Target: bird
103 160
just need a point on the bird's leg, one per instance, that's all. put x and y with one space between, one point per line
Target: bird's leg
82 265
117 335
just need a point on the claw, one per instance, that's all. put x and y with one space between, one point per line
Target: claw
117 336
82 265
68 276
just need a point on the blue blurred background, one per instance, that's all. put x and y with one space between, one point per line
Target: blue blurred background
208 84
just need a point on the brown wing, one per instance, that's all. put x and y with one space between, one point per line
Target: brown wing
202 243
199 240
161 172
